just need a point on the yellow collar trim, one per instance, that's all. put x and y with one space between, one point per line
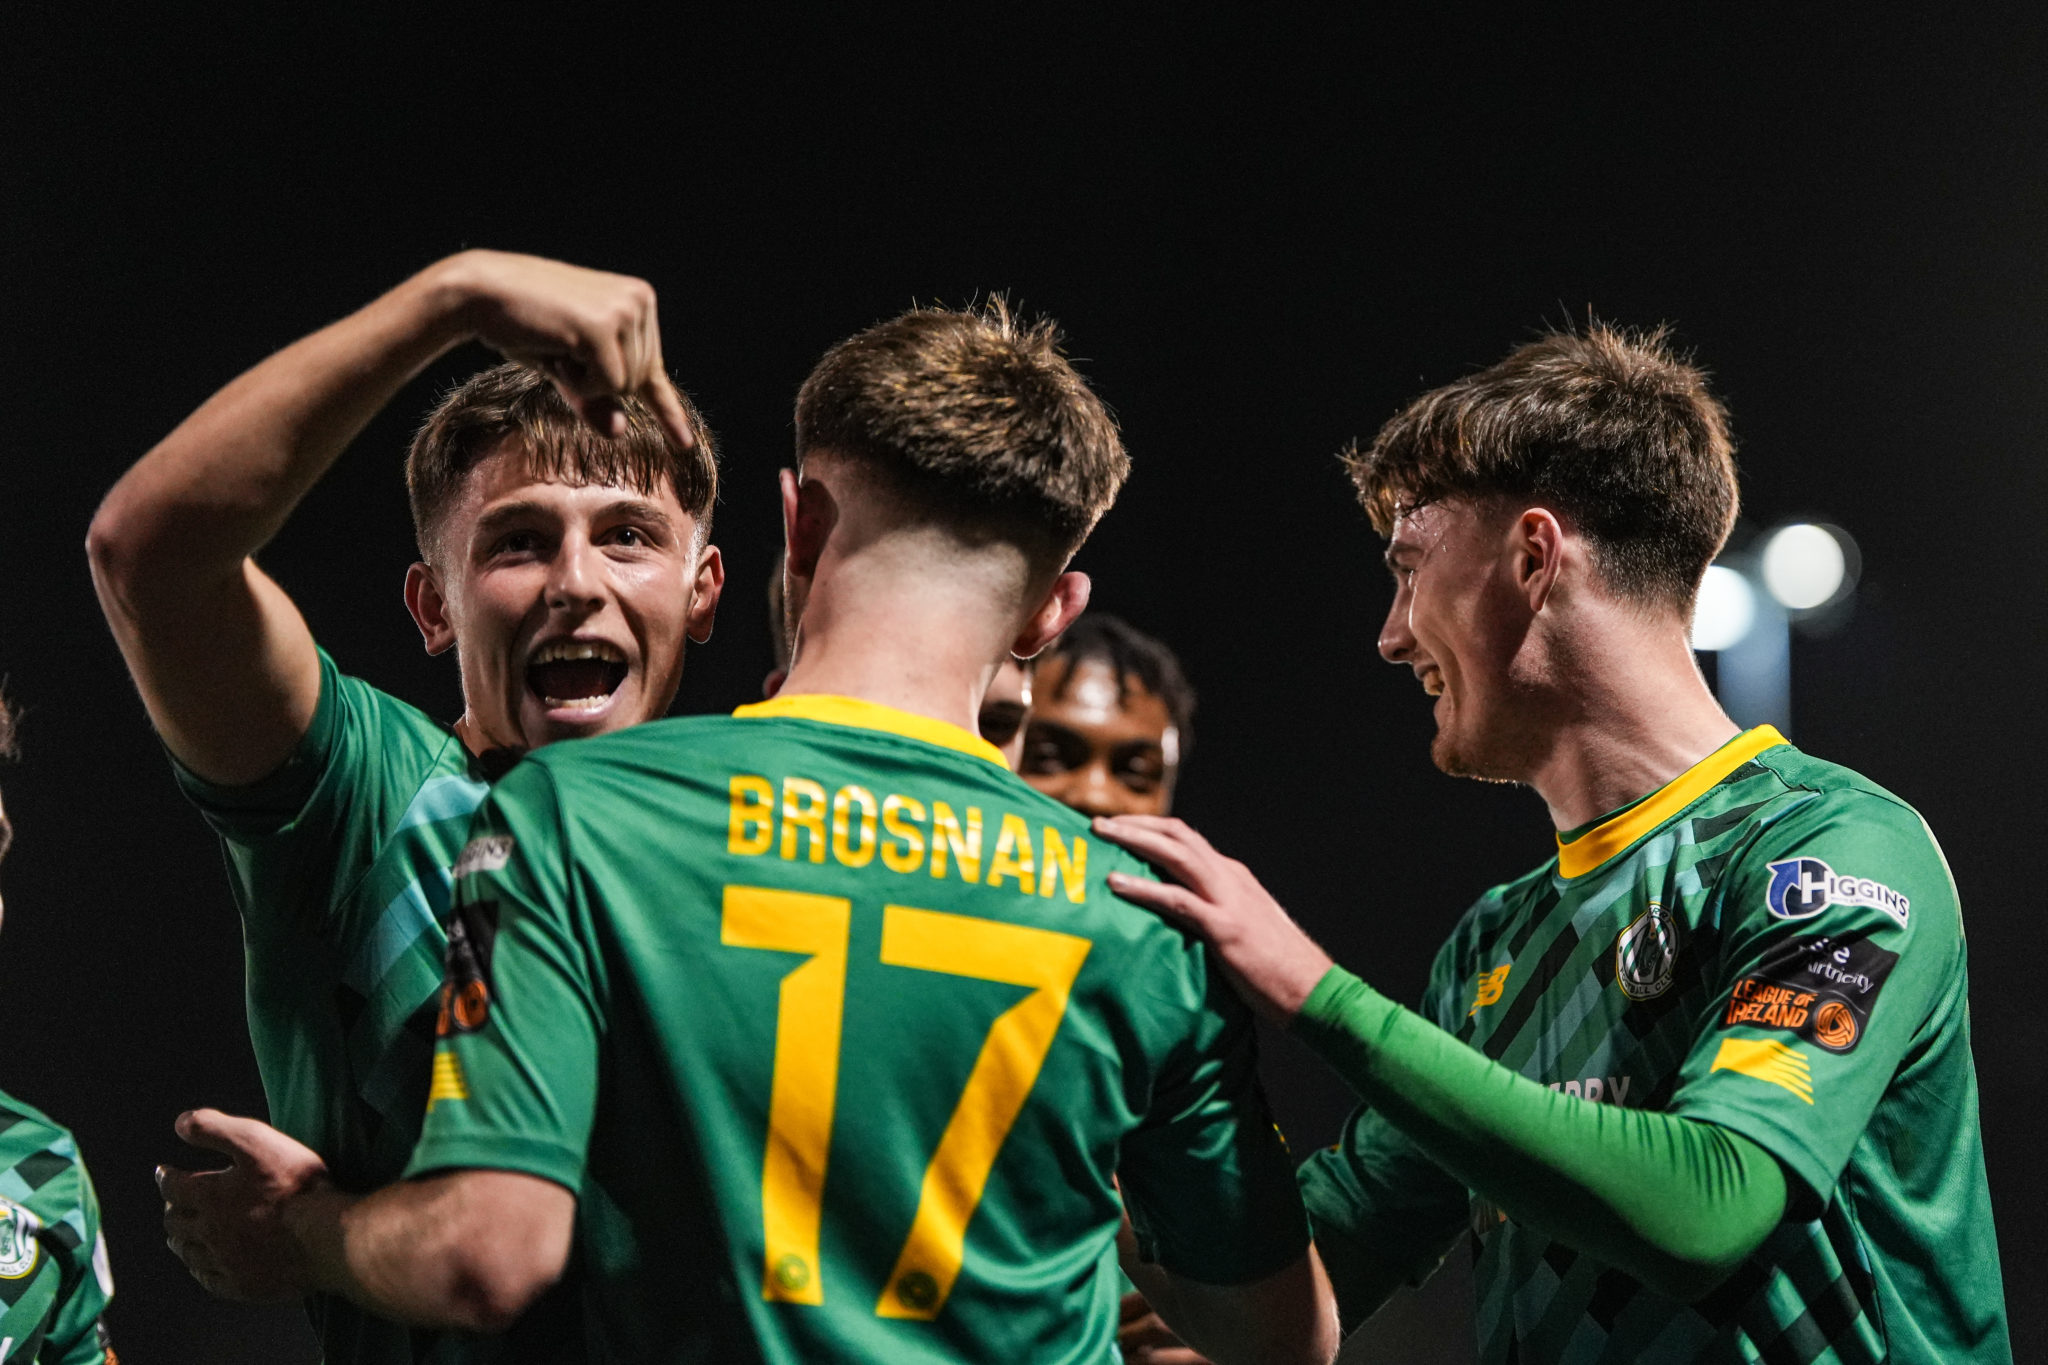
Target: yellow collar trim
1610 837
871 715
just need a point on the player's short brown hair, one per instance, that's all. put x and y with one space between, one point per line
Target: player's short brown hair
514 400
975 415
1607 427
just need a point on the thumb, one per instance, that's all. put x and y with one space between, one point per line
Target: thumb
237 1138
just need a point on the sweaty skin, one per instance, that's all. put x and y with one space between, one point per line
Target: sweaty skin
1540 675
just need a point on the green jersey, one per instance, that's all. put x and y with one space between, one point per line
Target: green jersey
340 866
836 1031
1770 943
54 1277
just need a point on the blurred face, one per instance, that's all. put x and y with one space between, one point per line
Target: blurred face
569 607
1004 709
1459 622
1087 748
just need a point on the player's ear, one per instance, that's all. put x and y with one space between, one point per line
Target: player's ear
429 608
1537 545
808 515
704 596
1062 605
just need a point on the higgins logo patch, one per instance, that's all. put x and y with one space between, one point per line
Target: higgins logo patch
1818 987
466 990
1803 887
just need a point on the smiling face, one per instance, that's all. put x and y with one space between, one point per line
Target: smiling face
1460 622
568 605
1098 748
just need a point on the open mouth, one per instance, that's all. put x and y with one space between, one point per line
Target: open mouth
1433 682
576 675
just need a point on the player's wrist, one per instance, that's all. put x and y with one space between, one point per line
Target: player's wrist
315 1225
450 295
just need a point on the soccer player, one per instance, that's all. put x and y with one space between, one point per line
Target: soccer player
562 514
816 1025
1112 721
1701 1082
55 1280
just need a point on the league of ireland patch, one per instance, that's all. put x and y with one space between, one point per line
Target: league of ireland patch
1820 987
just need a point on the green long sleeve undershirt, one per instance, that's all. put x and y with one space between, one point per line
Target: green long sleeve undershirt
1675 1202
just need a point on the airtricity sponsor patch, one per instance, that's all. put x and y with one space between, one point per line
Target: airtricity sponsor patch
1803 887
1820 988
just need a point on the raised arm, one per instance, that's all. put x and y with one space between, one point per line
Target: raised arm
224 662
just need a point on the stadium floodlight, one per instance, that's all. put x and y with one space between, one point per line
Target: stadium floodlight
1725 611
1807 566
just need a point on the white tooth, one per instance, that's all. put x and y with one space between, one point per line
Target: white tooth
577 703
578 649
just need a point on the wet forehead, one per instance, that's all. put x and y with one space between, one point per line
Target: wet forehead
1085 697
1416 532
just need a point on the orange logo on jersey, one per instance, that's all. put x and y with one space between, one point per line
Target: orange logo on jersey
1491 984
1834 1025
463 1008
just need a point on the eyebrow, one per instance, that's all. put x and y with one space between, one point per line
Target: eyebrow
634 508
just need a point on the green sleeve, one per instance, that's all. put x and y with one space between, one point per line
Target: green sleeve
1674 1202
515 1067
311 828
77 1335
1206 1178
1842 956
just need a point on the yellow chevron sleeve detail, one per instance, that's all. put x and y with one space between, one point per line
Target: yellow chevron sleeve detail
448 1082
1767 1060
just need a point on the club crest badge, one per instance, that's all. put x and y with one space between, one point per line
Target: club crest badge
1646 954
19 1247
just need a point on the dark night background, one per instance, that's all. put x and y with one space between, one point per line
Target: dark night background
1261 242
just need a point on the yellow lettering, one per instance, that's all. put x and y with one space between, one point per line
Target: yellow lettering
808 816
1073 875
1015 838
903 850
843 802
946 833
752 824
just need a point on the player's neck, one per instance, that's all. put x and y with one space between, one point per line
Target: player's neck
1642 715
923 657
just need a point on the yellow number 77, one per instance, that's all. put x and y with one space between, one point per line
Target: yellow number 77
806 1078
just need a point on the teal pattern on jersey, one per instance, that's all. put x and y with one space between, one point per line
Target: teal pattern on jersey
1647 968
340 864
55 1281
